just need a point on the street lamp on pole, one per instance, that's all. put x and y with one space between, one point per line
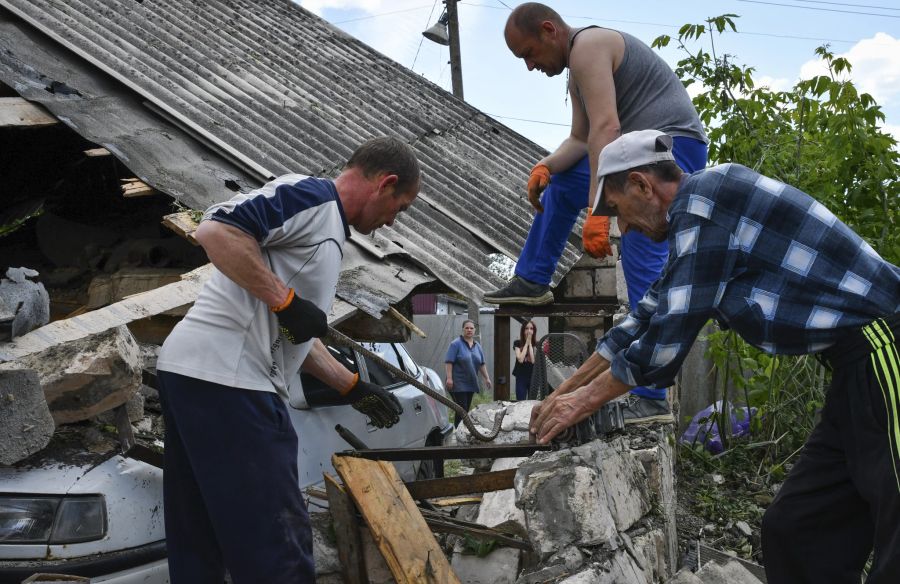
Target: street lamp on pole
446 32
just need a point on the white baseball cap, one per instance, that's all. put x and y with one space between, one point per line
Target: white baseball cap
629 151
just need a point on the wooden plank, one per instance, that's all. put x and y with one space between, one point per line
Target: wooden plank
183 224
137 188
346 532
456 501
15 111
407 544
406 322
133 308
463 485
95 152
501 366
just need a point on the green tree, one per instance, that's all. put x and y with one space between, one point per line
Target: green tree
822 136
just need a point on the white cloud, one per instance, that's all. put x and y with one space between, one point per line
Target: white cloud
317 6
779 84
876 67
893 129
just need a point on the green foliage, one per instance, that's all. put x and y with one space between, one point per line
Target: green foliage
786 392
478 547
14 224
822 136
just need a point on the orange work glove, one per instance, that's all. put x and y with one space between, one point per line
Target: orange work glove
595 235
537 182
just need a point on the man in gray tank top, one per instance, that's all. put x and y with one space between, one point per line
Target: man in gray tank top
617 84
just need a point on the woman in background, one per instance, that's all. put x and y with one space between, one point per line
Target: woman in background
524 348
463 362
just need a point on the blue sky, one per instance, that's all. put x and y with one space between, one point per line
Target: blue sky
777 37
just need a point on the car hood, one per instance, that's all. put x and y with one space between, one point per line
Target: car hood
131 489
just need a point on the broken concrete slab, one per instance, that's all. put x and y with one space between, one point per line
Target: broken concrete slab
24 304
685 576
499 566
621 568
84 378
513 429
26 425
624 479
730 573
581 496
498 509
659 465
564 502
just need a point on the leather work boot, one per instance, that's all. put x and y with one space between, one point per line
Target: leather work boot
521 291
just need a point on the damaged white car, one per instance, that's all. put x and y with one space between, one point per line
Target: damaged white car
69 510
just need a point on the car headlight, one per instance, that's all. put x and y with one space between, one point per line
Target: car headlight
51 520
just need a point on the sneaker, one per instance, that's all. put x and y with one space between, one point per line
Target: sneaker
521 291
642 410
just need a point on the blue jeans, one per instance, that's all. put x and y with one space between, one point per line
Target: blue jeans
231 488
563 200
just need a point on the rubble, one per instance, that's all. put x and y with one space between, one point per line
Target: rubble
24 304
26 425
88 376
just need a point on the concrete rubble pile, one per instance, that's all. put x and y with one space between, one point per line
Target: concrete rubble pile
601 512
66 382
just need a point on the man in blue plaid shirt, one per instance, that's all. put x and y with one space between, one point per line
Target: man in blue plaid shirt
770 262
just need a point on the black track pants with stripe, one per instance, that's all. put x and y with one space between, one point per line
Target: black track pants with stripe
842 498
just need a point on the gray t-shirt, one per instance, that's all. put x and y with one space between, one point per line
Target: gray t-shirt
649 96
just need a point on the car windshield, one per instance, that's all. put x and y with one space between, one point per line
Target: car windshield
379 374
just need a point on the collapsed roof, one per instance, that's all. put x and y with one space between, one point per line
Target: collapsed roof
203 99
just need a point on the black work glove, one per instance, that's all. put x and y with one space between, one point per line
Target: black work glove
300 320
382 407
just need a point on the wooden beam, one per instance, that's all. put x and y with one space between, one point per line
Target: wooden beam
15 111
457 501
406 322
137 188
501 363
405 540
462 485
95 152
183 224
346 532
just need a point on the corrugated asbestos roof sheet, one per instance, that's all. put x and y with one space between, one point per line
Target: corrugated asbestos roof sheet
275 89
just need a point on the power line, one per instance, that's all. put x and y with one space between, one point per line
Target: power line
381 14
422 38
821 9
526 120
671 26
505 4
849 5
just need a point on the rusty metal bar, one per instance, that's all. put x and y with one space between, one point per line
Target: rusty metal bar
484 482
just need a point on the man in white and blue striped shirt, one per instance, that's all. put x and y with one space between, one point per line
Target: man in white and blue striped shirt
770 262
231 488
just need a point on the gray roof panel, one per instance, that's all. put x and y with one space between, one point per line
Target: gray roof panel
276 89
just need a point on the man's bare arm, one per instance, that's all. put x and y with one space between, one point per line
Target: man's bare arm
321 364
237 255
589 370
573 407
592 63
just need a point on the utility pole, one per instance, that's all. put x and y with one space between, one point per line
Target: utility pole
455 62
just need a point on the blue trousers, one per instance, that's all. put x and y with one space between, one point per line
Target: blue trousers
523 382
231 487
563 200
